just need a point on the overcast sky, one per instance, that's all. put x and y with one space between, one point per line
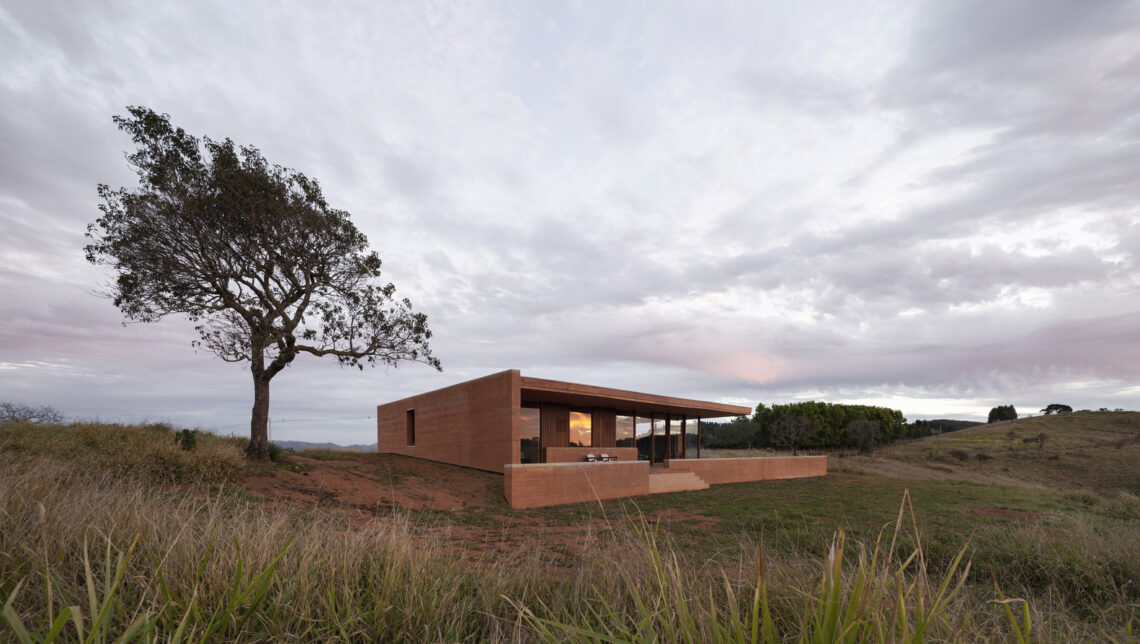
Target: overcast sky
930 206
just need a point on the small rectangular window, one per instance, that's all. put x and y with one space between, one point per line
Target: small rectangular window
411 424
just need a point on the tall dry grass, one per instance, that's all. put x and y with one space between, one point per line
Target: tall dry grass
95 554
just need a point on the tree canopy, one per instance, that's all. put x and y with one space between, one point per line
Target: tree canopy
253 254
1002 412
1057 409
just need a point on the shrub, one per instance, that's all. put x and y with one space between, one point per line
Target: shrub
42 415
187 439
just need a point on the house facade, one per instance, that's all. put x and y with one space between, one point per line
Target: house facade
561 442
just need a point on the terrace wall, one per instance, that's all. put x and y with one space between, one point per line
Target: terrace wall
540 484
737 470
578 454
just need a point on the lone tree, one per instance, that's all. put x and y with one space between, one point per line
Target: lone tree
1057 409
792 431
252 254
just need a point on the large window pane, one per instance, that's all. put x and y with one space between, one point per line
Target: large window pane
623 432
642 438
658 440
691 436
580 430
528 435
676 435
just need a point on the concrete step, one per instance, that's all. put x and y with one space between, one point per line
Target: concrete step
675 481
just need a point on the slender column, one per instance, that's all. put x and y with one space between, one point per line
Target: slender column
652 438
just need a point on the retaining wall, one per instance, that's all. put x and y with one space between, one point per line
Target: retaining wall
539 484
763 468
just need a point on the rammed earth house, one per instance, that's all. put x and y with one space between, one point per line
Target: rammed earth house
560 442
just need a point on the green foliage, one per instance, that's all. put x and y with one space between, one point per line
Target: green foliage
187 439
1002 413
1057 409
252 253
943 425
863 433
739 433
831 421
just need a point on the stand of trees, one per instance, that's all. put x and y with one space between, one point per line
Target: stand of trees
825 425
1057 409
1002 412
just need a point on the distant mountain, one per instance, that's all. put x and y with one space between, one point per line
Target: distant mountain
298 446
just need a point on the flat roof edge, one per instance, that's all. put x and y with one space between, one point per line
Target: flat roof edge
542 385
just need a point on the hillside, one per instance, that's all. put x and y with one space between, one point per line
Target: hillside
1097 451
380 546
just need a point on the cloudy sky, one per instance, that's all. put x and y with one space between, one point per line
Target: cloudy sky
931 206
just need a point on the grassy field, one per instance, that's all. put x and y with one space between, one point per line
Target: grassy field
107 528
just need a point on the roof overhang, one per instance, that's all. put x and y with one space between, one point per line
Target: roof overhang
569 393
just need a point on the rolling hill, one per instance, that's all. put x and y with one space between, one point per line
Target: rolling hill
1097 451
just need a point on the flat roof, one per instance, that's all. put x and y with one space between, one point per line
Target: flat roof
569 393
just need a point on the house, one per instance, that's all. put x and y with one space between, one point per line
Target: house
560 442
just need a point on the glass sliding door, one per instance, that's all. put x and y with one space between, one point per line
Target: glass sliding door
660 445
624 432
529 429
676 441
644 437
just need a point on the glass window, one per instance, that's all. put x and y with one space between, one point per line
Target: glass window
623 432
642 437
691 435
580 429
528 435
676 436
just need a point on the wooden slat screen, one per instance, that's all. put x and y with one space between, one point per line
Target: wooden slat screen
554 425
603 424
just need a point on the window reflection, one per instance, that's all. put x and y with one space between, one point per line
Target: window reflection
659 440
624 431
642 437
676 436
580 430
528 435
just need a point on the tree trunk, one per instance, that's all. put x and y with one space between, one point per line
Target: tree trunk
258 449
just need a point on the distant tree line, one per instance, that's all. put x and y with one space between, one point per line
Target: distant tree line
810 424
943 425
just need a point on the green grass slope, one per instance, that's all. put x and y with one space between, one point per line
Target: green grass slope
1093 451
